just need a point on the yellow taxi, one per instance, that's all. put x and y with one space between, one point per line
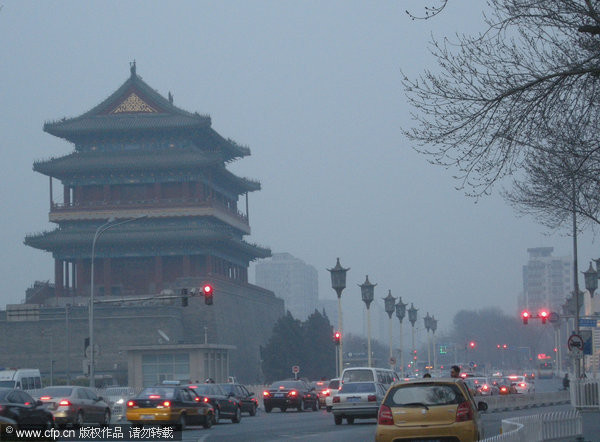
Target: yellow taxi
429 409
169 404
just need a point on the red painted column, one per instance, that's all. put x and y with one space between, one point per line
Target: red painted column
107 276
58 277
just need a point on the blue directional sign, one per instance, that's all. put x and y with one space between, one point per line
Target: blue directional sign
587 322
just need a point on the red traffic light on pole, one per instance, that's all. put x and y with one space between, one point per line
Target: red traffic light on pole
472 345
544 316
337 337
525 315
207 289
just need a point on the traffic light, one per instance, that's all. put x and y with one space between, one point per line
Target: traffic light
337 338
525 315
544 316
472 345
208 294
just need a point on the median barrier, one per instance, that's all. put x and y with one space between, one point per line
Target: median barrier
523 401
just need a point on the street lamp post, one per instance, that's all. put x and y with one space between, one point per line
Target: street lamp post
367 293
338 283
427 321
433 326
390 307
99 231
412 317
400 314
591 284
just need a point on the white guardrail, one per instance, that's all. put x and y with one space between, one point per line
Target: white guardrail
559 425
522 401
585 394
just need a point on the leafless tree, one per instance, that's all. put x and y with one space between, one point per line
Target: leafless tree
430 10
493 106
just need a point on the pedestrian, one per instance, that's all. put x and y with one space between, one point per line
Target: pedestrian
455 371
566 382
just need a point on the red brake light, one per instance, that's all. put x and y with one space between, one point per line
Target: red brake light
197 399
464 412
193 386
385 416
166 404
266 393
64 403
154 396
503 388
45 398
371 398
293 393
131 404
336 399
485 387
522 384
206 399
326 392
463 375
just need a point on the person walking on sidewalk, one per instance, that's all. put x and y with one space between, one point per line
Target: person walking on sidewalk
566 381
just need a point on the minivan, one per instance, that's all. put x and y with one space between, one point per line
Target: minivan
383 376
21 378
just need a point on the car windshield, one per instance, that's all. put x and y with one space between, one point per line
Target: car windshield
205 389
287 384
7 384
358 375
425 394
157 393
228 388
358 387
55 391
3 393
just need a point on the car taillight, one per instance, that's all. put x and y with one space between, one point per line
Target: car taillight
64 403
464 412
166 404
293 393
385 416
485 387
336 399
154 396
206 400
523 385
503 389
371 398
197 399
131 404
45 398
266 394
326 392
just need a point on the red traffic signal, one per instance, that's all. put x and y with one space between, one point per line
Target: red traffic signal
544 316
472 345
337 338
525 315
207 289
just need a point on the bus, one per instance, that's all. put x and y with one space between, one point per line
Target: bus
544 367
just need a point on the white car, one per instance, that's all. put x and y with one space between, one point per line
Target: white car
331 391
357 400
522 385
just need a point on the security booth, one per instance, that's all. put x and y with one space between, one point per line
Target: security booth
152 364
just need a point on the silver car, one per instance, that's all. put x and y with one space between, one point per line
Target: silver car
75 405
117 399
357 400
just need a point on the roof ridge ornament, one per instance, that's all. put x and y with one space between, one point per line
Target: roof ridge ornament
132 68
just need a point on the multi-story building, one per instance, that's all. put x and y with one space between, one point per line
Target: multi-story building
292 280
547 280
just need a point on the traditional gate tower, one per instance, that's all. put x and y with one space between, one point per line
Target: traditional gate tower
136 154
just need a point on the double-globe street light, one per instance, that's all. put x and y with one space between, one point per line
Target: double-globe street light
400 314
427 320
109 224
412 317
390 307
338 283
367 294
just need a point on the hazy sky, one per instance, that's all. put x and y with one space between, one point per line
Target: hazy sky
313 88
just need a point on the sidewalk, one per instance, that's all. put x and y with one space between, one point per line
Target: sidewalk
591 425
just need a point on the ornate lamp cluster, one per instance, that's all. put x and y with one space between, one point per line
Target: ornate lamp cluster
367 291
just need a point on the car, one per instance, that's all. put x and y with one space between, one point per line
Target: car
320 387
521 384
429 409
75 405
169 405
332 389
246 398
357 400
505 386
117 399
20 407
224 405
481 386
383 376
290 394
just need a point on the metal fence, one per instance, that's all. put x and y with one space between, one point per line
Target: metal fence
522 401
585 394
559 425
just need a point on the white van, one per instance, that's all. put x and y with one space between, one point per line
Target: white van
384 376
21 378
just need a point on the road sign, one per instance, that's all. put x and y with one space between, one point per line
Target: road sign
553 318
575 343
587 322
96 352
296 369
471 364
586 335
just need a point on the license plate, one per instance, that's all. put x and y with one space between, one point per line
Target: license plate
279 394
353 399
148 416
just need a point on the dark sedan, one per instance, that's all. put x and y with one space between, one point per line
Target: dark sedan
21 408
224 406
290 394
241 393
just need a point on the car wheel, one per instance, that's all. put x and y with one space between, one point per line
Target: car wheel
328 409
216 416
49 425
238 416
181 423
350 420
79 420
315 406
106 421
301 406
337 419
208 420
283 409
253 410
268 409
